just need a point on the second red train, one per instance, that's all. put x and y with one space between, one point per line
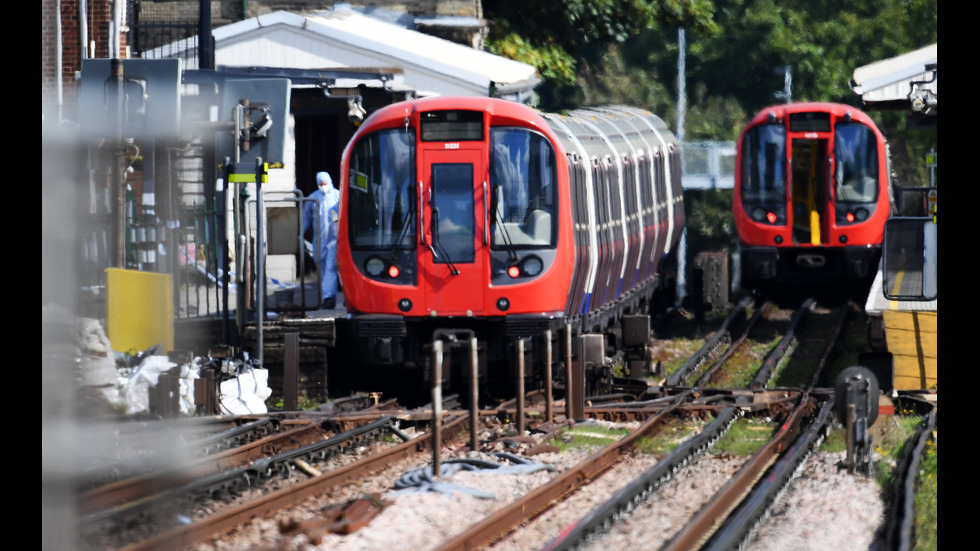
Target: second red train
812 193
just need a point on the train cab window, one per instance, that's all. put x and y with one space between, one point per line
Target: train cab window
523 177
453 220
763 177
380 196
856 163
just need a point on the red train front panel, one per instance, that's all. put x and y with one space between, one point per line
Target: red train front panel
454 207
811 195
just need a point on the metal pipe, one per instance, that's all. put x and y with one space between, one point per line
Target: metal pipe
82 28
520 387
474 393
549 398
58 61
259 256
119 173
436 406
568 370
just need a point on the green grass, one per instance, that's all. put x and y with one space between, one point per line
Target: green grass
890 445
674 434
746 436
303 403
733 374
927 499
589 436
680 350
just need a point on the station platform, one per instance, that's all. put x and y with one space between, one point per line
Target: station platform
910 331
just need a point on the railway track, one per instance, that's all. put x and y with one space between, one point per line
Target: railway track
570 501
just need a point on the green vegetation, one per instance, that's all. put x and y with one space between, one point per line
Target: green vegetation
675 352
733 374
303 403
927 499
587 436
890 442
855 341
627 51
746 436
674 434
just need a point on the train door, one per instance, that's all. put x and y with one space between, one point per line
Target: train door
809 190
453 260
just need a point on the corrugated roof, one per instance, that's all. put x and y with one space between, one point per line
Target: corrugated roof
322 36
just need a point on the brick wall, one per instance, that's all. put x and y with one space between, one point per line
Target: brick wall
222 12
99 16
464 8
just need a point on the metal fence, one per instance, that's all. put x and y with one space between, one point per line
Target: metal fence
708 165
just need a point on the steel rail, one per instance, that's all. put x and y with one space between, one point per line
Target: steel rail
898 531
740 526
709 374
239 478
779 353
625 500
709 345
183 536
711 517
116 493
541 498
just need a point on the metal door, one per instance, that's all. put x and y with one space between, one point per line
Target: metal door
453 259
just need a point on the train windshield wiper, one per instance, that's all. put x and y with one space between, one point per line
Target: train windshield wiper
401 236
508 244
436 247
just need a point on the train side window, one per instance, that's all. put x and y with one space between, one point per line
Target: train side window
523 175
381 199
910 259
856 163
764 163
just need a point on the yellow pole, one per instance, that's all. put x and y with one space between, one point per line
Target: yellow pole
811 201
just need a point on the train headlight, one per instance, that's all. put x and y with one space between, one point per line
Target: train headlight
758 214
374 266
533 266
861 214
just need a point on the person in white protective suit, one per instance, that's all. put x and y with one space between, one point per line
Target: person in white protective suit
325 209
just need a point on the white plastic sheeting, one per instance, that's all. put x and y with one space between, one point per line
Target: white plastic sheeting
243 391
243 388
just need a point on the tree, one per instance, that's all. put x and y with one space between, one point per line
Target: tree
555 36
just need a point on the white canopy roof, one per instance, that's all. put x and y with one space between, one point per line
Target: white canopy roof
344 38
910 78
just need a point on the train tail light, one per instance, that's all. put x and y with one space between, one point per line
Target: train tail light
377 267
771 217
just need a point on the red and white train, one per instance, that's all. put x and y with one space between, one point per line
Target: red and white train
812 193
478 217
